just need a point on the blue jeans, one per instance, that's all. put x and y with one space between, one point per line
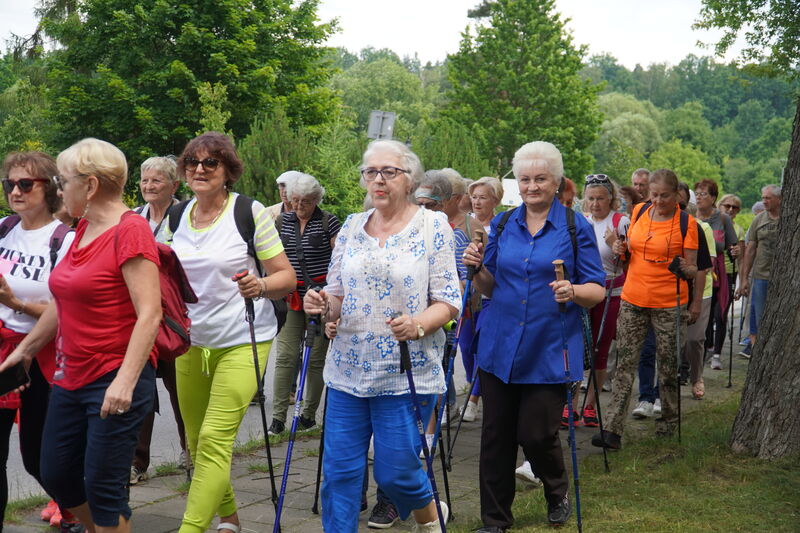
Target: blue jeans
758 297
350 421
648 384
86 458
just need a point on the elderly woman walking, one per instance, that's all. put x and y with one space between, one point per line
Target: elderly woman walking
521 363
308 234
216 376
105 374
393 259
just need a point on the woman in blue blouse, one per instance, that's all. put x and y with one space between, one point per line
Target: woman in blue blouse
394 258
521 364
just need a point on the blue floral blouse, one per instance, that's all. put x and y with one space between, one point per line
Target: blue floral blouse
414 268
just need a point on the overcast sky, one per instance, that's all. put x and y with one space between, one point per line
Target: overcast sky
634 31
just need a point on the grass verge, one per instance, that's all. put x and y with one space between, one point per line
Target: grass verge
659 486
16 510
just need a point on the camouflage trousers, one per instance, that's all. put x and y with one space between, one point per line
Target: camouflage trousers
632 326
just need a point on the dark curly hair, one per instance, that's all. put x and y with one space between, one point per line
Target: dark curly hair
39 165
219 146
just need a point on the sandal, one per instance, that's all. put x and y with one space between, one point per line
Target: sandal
698 390
228 525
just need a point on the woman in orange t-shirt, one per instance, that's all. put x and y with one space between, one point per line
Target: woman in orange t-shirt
649 298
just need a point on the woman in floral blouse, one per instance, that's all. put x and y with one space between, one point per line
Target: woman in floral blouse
394 258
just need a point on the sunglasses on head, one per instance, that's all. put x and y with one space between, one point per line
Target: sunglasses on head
209 163
25 184
597 178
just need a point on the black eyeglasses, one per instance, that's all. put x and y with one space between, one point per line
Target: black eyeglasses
209 163
25 184
388 173
597 178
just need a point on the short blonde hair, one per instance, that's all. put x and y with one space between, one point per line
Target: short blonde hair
493 185
539 151
732 197
101 159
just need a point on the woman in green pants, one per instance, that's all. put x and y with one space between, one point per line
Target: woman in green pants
216 379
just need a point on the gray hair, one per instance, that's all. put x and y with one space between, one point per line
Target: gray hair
774 189
438 183
287 177
458 184
413 165
641 172
166 166
611 188
304 185
492 184
539 151
758 207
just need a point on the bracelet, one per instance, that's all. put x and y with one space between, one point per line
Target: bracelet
21 310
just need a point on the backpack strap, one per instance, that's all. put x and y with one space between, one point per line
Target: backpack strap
573 234
615 219
503 221
56 241
173 214
326 222
8 224
246 225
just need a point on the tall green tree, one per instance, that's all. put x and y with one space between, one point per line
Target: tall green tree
765 425
689 163
443 142
517 79
130 71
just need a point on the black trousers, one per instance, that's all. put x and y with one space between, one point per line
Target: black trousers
519 415
32 412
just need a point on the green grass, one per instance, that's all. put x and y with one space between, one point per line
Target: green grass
168 469
183 488
16 510
258 468
257 443
660 486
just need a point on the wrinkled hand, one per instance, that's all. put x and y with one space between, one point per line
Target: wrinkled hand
743 290
315 303
331 329
404 328
250 286
563 291
117 400
7 296
610 237
620 247
473 255
735 251
694 312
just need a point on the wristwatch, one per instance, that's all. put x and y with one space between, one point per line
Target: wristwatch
420 331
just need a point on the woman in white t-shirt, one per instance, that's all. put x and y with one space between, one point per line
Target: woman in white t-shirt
31 243
216 378
600 204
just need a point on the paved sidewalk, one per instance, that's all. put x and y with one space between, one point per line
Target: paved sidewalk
158 503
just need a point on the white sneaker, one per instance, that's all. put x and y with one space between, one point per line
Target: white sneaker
643 410
716 364
525 473
471 412
657 407
435 526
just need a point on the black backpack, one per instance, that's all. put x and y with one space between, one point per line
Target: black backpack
243 216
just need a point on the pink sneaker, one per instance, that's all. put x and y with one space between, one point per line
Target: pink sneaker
49 510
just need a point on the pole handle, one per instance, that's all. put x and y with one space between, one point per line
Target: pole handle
477 239
558 265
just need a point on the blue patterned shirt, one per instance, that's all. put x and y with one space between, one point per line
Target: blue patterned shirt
414 268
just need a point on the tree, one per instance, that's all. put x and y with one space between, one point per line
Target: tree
766 425
443 142
689 163
517 79
132 72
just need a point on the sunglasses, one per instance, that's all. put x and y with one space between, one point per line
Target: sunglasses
597 178
730 206
209 163
25 184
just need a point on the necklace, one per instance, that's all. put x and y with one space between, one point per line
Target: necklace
212 221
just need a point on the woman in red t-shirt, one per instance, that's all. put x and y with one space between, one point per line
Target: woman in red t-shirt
105 316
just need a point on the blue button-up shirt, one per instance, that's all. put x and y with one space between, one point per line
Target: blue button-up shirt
520 340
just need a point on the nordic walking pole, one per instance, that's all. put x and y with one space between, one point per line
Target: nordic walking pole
448 363
312 333
451 444
675 269
315 507
405 367
741 318
250 316
562 310
731 289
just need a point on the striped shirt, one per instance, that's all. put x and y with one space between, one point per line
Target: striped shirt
316 243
